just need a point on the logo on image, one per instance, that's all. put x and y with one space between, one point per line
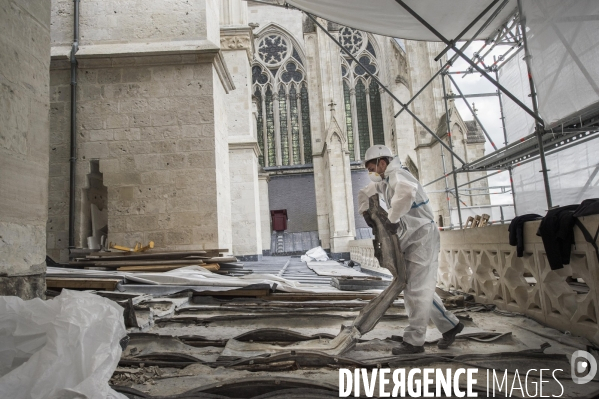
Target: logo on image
583 367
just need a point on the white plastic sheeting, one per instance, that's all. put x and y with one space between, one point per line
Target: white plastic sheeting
573 177
564 43
66 347
514 77
388 18
315 254
198 276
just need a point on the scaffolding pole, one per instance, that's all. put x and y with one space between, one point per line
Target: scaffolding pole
446 186
505 140
455 56
533 96
468 60
472 111
455 175
376 79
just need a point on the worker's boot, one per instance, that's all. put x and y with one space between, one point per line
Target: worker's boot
449 336
407 349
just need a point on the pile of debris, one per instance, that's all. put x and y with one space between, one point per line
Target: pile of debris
111 267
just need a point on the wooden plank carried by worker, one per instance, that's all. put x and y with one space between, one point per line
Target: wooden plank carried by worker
107 284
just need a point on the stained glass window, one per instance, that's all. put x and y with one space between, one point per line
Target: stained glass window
273 49
348 121
351 39
270 127
367 118
376 114
283 124
260 125
278 69
292 73
362 111
306 125
297 159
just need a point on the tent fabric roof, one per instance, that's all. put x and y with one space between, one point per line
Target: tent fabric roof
388 18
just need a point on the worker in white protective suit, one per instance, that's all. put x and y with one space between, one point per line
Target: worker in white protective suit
410 214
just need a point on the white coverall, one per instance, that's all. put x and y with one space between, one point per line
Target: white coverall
408 203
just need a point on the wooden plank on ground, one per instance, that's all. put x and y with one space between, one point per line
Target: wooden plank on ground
317 296
222 259
216 252
107 284
147 255
163 268
241 292
119 263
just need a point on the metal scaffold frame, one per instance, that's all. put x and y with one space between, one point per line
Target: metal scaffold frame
511 34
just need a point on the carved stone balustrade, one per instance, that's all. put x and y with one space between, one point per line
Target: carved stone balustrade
481 262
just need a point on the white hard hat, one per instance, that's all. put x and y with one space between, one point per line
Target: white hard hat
377 151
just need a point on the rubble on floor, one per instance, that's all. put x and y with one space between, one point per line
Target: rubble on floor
183 337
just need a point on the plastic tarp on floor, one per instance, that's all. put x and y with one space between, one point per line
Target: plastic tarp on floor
388 18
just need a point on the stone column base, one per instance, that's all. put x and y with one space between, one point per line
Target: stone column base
25 287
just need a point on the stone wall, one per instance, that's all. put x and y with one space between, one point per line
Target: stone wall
24 66
151 95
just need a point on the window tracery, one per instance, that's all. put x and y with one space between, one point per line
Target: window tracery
279 85
363 108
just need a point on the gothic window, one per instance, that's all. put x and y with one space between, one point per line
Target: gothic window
279 84
363 108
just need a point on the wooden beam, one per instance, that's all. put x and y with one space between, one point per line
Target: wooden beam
81 283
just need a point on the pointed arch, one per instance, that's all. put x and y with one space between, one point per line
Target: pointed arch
280 67
363 106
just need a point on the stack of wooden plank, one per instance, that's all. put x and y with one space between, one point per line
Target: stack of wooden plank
128 261
152 260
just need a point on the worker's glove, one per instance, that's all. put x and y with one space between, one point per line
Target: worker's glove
390 227
368 219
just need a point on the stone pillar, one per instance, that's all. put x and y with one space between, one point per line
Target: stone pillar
332 178
339 187
429 107
24 66
263 180
151 111
237 46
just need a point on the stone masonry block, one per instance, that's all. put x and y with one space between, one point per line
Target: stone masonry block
94 150
117 121
108 76
164 119
130 134
180 236
136 75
